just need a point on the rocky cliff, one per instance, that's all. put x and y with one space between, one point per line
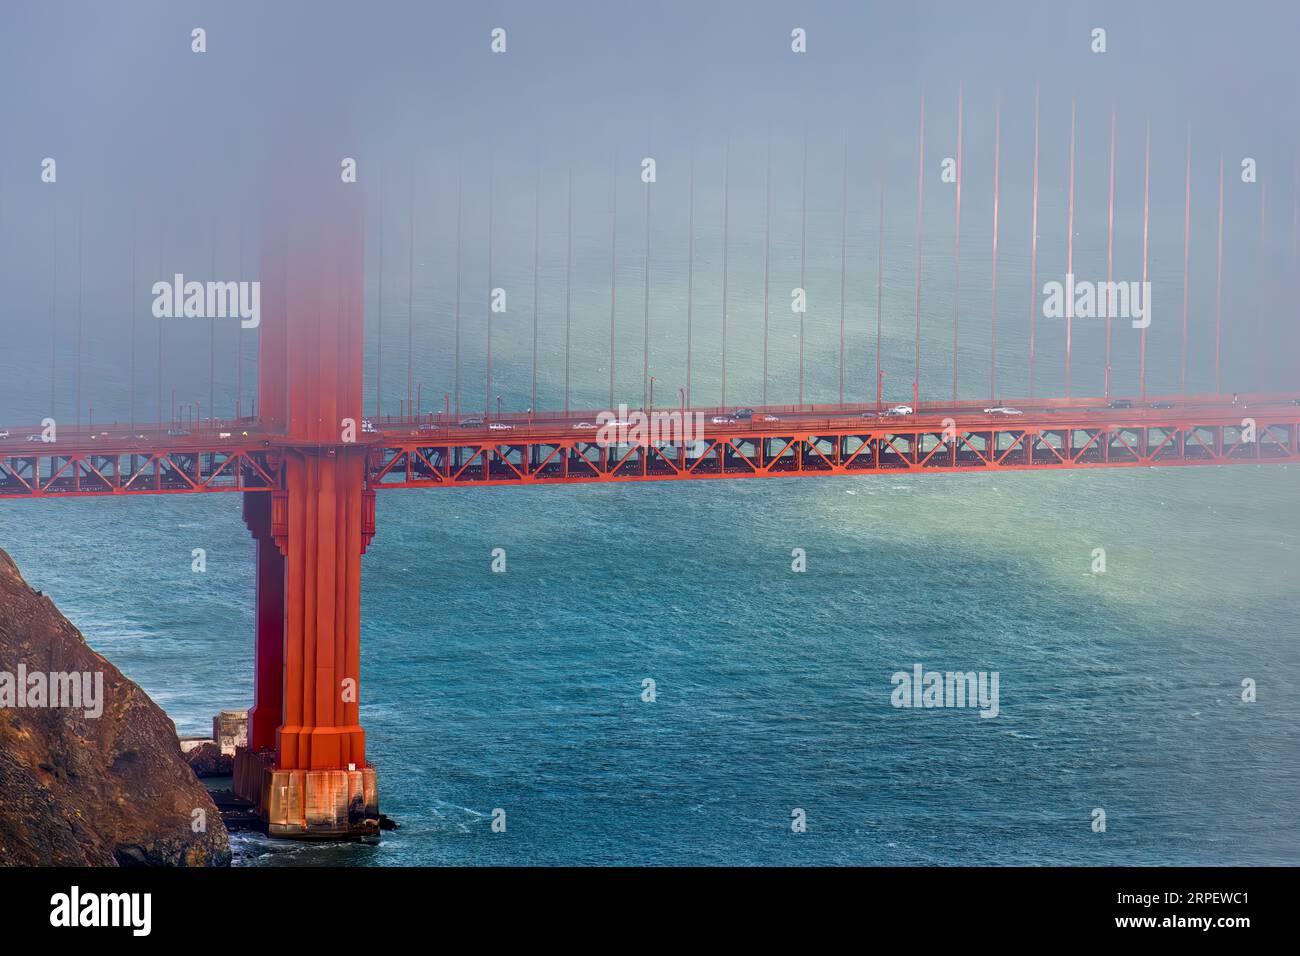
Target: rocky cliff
91 772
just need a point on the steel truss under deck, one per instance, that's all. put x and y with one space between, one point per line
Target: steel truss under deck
740 450
855 450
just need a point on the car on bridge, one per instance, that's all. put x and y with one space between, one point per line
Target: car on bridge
1121 403
501 427
4 434
743 414
723 420
1002 410
470 423
584 426
176 433
899 410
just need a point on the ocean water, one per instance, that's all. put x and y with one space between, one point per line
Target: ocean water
522 691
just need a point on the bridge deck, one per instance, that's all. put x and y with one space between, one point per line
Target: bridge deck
559 449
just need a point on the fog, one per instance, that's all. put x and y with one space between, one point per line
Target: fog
164 157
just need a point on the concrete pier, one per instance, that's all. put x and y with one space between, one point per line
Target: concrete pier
309 804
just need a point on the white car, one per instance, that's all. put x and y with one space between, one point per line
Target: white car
723 420
900 410
4 434
770 418
1002 410
584 425
501 427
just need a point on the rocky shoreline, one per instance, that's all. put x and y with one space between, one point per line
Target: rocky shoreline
91 770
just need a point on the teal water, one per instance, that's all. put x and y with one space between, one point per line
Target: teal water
522 691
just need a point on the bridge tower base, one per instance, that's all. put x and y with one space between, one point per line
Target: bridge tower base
308 804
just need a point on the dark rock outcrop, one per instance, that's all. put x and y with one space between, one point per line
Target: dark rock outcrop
207 760
79 790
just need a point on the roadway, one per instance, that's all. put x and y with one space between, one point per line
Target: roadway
776 420
247 434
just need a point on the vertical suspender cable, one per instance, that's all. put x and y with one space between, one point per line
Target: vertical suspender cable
460 192
1110 245
880 281
1218 291
844 245
537 242
1069 256
54 298
1146 220
487 406
410 304
993 325
920 198
767 255
613 272
568 292
956 252
645 346
1033 254
80 284
379 310
132 301
803 254
726 229
690 272
212 340
1187 235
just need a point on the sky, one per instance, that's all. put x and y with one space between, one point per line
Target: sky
165 157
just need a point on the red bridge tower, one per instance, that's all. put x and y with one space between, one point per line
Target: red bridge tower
305 765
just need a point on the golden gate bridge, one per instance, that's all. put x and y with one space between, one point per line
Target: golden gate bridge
309 461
